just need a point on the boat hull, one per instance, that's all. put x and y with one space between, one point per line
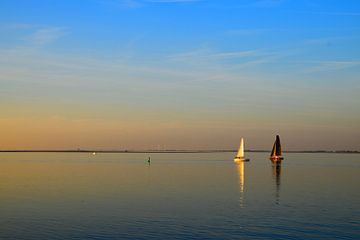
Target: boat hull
276 159
241 160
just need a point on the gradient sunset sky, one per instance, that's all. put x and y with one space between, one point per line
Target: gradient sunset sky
179 74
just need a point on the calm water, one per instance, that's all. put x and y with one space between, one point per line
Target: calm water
179 196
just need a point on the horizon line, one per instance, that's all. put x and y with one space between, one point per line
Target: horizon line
169 151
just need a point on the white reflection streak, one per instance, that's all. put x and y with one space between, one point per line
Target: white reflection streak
241 172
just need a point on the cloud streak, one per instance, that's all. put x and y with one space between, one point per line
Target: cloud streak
205 58
325 66
210 55
47 35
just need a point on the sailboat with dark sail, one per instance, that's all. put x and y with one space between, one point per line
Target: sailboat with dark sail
275 155
240 156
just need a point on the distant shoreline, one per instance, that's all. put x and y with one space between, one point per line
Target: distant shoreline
163 151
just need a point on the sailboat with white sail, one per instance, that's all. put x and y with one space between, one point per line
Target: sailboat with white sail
275 155
240 156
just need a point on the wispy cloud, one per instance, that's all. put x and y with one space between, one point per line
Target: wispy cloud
205 54
35 34
324 66
231 59
47 35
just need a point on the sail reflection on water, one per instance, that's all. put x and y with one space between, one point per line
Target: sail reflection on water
241 173
276 167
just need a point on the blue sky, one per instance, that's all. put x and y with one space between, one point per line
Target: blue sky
180 73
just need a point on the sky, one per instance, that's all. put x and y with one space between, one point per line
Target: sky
179 74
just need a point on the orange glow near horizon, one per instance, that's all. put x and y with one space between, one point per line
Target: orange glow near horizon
65 133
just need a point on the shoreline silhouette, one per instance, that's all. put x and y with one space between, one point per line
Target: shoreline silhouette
169 151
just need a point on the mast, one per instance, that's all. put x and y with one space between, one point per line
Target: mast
240 153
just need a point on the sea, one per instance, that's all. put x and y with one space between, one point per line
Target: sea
72 196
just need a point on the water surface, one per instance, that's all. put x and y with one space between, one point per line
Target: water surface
178 196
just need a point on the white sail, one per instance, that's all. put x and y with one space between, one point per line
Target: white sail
240 153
